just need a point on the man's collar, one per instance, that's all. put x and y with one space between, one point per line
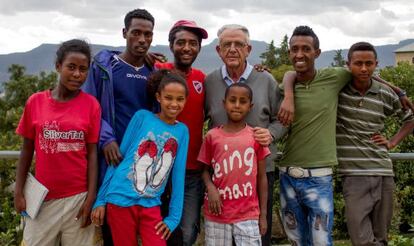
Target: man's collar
374 88
243 77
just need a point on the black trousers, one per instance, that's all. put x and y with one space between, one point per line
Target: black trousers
267 238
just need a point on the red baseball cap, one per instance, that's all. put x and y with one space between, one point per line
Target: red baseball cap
191 24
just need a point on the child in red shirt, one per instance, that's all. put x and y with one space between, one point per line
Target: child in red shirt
62 126
235 176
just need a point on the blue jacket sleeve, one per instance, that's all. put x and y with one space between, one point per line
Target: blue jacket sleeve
106 135
178 177
93 86
134 126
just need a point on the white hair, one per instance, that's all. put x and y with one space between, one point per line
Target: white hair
234 27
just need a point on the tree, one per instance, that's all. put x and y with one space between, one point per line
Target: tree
269 56
282 53
21 85
338 60
280 71
275 57
402 75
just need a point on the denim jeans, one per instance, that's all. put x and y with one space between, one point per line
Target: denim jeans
193 199
307 209
186 232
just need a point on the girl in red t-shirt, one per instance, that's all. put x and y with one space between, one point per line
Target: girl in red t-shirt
62 126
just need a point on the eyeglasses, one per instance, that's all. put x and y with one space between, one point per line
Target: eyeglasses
236 44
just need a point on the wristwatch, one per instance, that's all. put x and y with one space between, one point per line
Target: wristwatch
402 93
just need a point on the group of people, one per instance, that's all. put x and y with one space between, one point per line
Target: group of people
119 143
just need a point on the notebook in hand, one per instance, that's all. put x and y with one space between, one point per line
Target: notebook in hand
34 193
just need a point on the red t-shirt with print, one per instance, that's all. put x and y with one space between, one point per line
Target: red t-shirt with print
234 158
60 131
193 113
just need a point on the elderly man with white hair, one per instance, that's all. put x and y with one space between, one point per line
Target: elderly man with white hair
233 48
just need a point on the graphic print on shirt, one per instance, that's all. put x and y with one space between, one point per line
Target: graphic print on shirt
239 163
144 158
152 164
165 161
52 140
198 86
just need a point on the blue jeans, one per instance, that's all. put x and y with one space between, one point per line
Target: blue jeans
307 209
193 199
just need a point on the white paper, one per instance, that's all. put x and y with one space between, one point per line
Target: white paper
34 193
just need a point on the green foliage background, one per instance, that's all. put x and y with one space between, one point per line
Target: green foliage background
16 91
402 76
21 86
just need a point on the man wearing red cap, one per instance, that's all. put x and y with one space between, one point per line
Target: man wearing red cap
185 43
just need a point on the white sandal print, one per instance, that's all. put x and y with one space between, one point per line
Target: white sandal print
164 164
146 154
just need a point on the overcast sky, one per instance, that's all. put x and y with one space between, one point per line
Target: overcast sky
25 24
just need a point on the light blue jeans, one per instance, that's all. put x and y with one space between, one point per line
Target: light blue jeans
307 209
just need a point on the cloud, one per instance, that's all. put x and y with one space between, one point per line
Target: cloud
101 21
411 27
87 9
78 8
284 7
365 24
388 14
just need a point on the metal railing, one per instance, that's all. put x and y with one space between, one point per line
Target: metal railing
10 154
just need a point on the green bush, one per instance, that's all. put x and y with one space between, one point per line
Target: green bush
17 90
10 230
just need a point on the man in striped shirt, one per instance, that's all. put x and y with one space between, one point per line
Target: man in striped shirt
362 151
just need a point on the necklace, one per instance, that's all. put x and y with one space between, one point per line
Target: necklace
363 92
306 84
361 102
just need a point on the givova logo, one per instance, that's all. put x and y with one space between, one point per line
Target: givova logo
136 76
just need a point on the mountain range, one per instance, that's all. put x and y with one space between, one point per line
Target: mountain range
42 57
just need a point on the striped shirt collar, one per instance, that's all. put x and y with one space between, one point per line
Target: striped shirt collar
374 88
243 77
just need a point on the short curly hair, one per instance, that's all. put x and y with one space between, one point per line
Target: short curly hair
306 31
361 46
73 45
140 14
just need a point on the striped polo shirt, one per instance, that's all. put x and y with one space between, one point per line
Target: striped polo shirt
359 117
